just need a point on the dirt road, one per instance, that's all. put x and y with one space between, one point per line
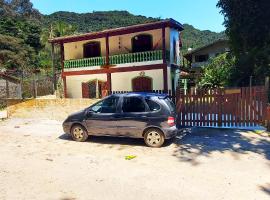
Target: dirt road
39 162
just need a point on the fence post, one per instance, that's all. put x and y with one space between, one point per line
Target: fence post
267 120
7 89
220 105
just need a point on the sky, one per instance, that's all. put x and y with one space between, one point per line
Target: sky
202 14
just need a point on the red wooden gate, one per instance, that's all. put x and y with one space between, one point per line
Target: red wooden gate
239 107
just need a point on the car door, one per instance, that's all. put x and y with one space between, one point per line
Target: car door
101 117
133 117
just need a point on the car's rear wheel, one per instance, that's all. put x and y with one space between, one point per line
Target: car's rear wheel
79 133
154 138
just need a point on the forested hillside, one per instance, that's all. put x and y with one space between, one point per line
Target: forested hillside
24 32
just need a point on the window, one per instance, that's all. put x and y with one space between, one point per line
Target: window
153 106
91 49
141 43
170 104
133 104
108 105
201 58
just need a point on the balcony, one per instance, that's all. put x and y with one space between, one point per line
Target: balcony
115 59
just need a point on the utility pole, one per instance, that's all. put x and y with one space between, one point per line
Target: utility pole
53 69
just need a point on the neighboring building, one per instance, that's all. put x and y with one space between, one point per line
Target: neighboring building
200 56
135 58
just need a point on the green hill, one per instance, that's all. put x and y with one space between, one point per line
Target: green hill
97 21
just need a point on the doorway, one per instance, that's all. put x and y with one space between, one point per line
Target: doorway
142 83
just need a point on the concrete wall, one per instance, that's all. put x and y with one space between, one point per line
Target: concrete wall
56 109
123 81
74 83
217 48
119 45
74 50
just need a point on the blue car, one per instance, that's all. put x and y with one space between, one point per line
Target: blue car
137 115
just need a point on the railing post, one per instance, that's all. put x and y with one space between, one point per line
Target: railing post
220 106
107 50
164 44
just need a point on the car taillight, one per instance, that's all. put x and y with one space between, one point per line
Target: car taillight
171 121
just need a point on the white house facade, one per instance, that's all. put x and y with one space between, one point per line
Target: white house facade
142 57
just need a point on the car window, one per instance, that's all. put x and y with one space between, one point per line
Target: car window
153 106
108 105
96 107
170 104
133 104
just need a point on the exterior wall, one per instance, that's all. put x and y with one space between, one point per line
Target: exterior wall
74 83
74 50
55 109
174 37
212 50
123 81
116 66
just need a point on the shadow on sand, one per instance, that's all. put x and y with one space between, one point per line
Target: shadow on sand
114 140
203 141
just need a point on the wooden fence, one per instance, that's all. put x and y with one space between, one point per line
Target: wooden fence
238 107
234 107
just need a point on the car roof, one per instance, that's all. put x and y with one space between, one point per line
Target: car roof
143 94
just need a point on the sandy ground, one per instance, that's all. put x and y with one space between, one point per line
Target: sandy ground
39 162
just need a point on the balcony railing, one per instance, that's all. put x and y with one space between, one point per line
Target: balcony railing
136 57
86 62
115 59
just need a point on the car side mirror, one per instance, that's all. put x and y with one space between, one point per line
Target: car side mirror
89 113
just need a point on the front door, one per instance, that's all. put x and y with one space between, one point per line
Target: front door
101 117
142 83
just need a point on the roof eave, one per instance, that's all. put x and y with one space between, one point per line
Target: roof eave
120 31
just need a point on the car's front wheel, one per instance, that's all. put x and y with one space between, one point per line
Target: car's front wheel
154 138
79 133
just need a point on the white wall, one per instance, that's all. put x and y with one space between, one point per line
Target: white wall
123 81
74 50
74 83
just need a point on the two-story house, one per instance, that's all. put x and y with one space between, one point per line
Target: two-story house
200 56
141 57
196 58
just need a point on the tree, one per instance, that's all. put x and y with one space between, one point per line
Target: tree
19 8
56 29
218 72
14 54
248 28
27 33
